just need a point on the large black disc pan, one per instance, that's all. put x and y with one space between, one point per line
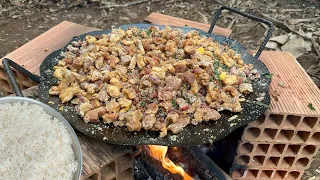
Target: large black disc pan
204 132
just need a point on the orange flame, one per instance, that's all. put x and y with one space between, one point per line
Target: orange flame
159 153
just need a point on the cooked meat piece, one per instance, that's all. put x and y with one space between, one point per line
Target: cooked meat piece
116 82
129 93
148 121
245 88
173 83
84 108
109 118
152 108
113 90
112 107
95 103
211 115
180 68
124 102
91 116
103 96
232 90
164 95
188 77
183 105
172 117
54 90
177 127
66 94
101 111
125 59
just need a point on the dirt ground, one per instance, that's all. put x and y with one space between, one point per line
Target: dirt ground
23 20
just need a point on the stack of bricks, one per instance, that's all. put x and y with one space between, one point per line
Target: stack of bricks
102 161
282 142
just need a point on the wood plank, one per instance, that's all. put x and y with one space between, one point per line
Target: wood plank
161 19
299 90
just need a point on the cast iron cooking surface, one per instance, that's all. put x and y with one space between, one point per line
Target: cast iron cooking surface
205 132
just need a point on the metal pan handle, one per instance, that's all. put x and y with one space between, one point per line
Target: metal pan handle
250 16
7 64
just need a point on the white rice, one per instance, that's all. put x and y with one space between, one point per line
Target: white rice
34 145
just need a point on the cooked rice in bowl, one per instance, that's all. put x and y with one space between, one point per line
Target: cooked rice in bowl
33 144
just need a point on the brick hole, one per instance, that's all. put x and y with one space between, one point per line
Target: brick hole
276 119
126 175
302 162
287 162
266 174
293 175
309 122
277 149
243 160
315 138
252 133
258 160
308 150
252 173
113 166
262 148
124 162
279 174
237 173
273 161
246 148
107 172
259 121
292 121
293 149
269 134
3 74
5 85
285 135
302 136
94 177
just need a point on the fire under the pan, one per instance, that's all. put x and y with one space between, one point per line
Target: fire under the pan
176 163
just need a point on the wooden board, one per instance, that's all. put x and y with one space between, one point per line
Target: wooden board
161 19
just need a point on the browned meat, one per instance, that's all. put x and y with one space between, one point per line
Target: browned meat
148 121
91 116
166 95
173 83
211 115
154 79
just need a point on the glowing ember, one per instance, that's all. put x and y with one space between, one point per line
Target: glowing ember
159 153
